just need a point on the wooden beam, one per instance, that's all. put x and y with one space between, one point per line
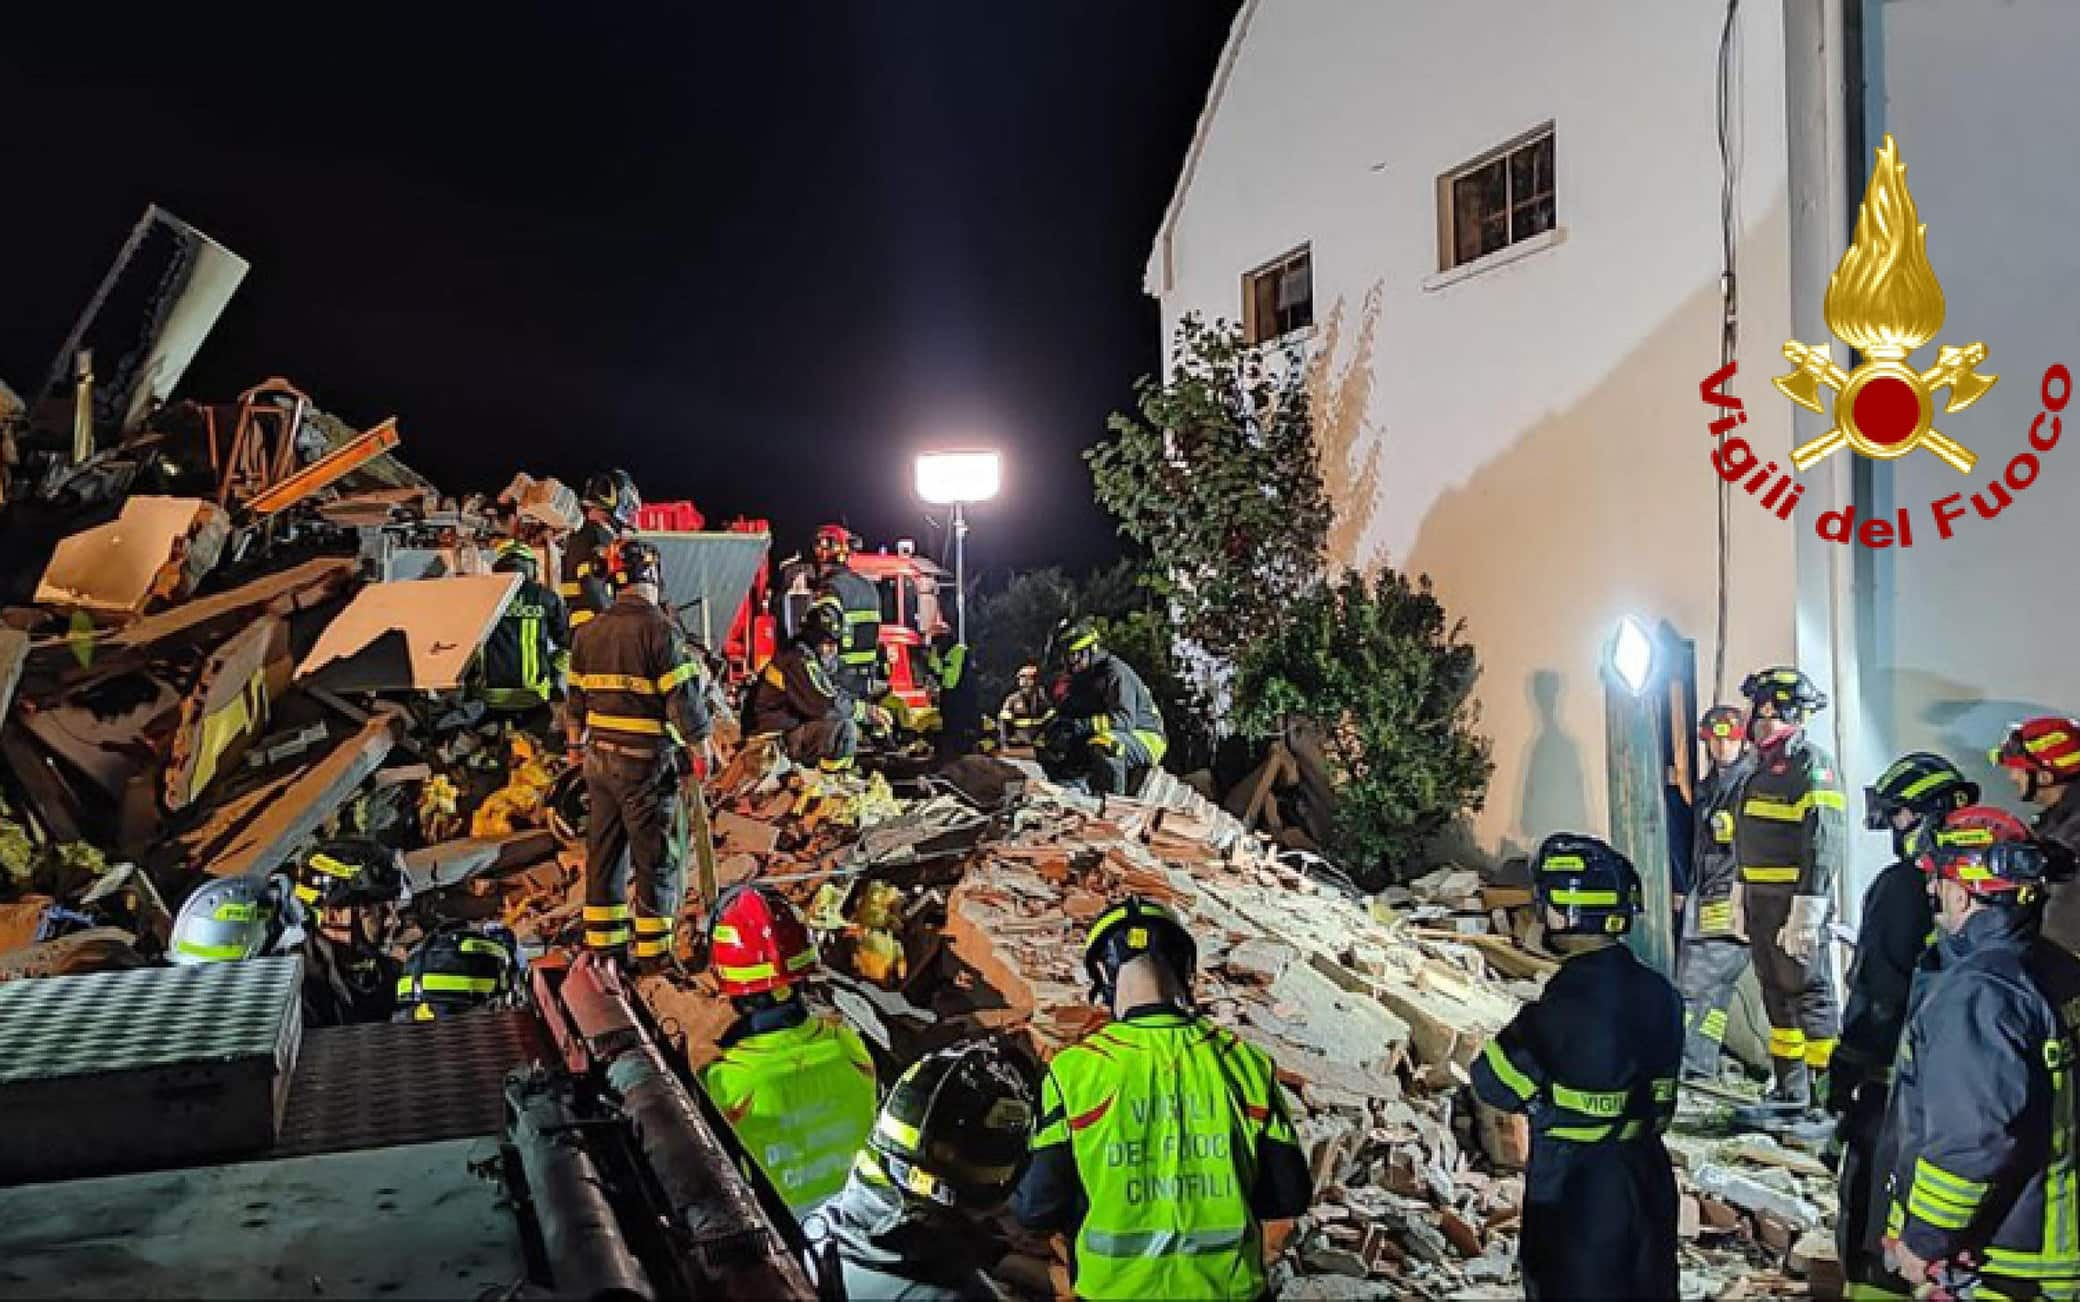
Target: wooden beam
259 842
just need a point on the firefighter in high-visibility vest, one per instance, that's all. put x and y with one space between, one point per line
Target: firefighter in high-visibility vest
1594 1062
1713 953
528 655
636 714
855 600
2041 756
1892 939
1109 731
611 503
1788 834
1980 1137
798 1089
1164 1144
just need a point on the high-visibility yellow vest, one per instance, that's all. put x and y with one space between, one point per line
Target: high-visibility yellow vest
1165 1115
802 1100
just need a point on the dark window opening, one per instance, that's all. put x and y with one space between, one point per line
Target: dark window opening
1278 298
1500 201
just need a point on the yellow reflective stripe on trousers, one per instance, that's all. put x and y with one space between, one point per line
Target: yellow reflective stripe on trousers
1787 1043
1819 1052
624 723
1769 873
1505 1070
1714 1025
605 912
614 683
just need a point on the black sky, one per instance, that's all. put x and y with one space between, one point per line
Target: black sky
756 254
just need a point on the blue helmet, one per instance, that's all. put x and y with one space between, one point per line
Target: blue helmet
1593 887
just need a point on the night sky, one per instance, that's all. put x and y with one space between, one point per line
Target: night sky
757 255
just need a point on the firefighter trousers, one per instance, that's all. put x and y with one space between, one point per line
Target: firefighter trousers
1804 1020
827 744
632 796
1118 763
1707 969
1859 1227
1599 1220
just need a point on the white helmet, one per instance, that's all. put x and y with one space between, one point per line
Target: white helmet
225 921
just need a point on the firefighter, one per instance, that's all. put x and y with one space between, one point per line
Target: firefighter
1027 711
856 602
611 503
2041 757
1918 790
798 1090
1713 953
528 656
1109 731
1788 836
1594 1061
1979 1139
636 702
1164 1144
798 699
348 890
942 1158
459 967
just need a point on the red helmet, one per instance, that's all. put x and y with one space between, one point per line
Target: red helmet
2048 746
1989 851
1727 721
833 543
757 942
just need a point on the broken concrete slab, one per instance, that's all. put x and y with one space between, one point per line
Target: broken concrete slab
1755 1196
96 653
417 636
159 548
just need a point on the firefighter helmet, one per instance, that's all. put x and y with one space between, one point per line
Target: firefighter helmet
1074 637
2046 747
225 921
516 557
1789 694
615 493
1925 785
459 967
570 807
1990 853
954 1130
1028 675
1129 930
347 873
634 561
757 942
1723 723
1592 887
822 622
834 544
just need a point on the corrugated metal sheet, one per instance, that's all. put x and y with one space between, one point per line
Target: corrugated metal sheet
707 576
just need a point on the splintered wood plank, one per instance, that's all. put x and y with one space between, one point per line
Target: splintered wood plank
290 810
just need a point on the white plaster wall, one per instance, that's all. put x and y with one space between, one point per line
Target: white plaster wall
1530 436
1985 628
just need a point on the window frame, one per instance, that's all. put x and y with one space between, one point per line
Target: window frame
1273 270
1447 210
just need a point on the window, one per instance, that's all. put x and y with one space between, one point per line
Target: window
1278 298
1496 201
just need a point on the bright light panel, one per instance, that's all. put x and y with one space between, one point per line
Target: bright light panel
944 478
1632 655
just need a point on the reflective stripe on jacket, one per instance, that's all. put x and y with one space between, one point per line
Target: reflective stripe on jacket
1789 818
583 584
1168 1118
1979 1139
633 677
858 603
529 649
794 689
1713 869
801 1100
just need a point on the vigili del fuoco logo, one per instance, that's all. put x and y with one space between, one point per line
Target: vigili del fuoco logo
1883 301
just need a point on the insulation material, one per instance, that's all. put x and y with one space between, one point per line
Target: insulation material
159 547
418 636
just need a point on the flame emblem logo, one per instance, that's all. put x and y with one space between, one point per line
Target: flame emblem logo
1884 301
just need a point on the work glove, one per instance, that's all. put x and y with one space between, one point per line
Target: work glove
1799 937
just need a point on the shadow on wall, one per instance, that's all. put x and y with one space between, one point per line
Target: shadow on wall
1554 792
1339 391
1599 506
1945 716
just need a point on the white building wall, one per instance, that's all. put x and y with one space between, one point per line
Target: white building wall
1984 629
1531 436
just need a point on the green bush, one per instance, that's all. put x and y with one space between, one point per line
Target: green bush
1376 664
